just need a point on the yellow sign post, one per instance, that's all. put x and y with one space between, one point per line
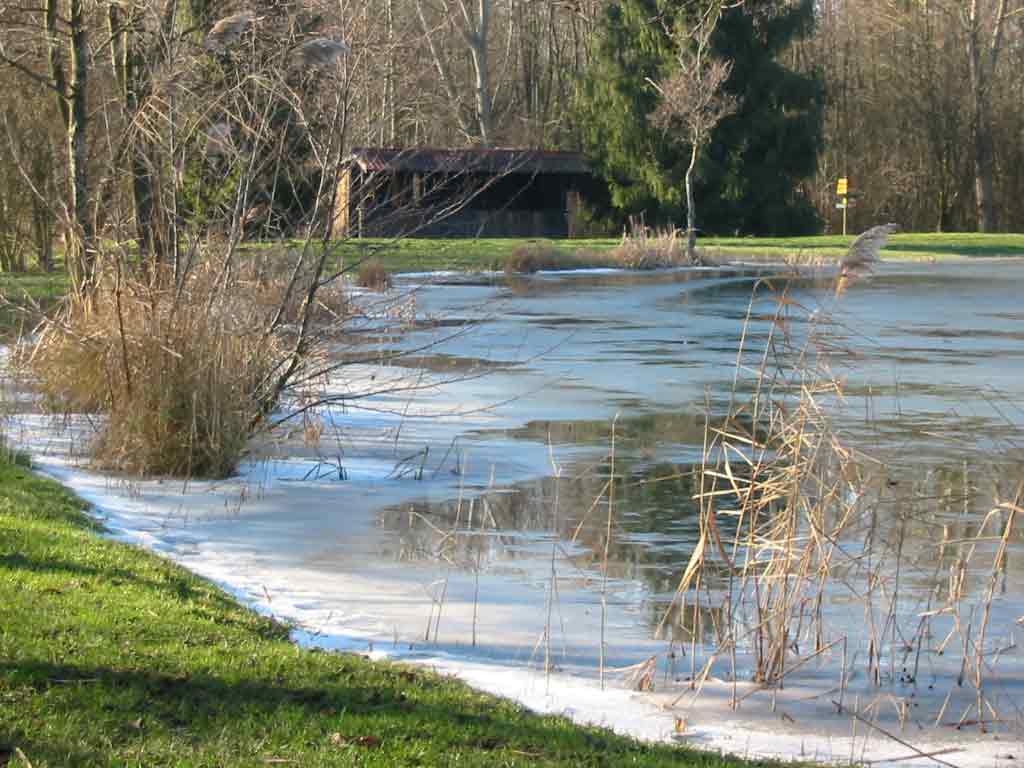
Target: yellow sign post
843 191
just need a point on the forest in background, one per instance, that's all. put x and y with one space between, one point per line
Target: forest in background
918 102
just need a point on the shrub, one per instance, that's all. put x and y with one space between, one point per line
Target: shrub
373 275
646 250
588 257
804 258
266 276
181 375
533 257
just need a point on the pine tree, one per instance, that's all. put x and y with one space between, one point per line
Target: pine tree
642 169
749 175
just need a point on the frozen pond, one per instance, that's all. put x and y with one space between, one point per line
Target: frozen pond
460 516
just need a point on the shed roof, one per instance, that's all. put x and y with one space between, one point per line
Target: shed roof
496 161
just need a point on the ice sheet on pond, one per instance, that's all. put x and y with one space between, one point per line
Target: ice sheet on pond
466 556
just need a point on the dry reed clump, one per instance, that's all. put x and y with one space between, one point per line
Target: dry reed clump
641 250
9 454
644 249
780 499
374 276
12 456
774 507
265 278
181 377
807 258
791 519
6 452
534 257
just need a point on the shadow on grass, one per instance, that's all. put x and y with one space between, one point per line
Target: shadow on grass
129 705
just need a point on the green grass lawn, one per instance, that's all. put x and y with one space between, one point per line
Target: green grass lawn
913 245
111 656
468 255
427 254
454 254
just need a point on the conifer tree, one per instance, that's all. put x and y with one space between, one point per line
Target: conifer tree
748 178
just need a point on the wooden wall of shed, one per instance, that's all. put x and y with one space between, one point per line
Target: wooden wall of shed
466 223
340 225
407 204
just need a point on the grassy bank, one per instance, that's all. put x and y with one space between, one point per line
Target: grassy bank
469 255
909 246
461 255
112 656
458 254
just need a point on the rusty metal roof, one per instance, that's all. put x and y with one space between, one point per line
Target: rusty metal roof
496 161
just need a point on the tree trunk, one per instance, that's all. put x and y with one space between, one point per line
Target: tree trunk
691 213
481 67
72 101
388 118
474 28
42 230
443 71
981 61
78 150
983 172
981 125
133 74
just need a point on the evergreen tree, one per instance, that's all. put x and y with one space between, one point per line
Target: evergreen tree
748 177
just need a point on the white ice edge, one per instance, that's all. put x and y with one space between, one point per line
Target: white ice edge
557 272
623 711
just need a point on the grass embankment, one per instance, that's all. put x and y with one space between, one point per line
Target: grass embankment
498 254
909 246
112 656
463 255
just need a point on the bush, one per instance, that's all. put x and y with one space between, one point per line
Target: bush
182 376
646 250
374 276
642 250
534 257
266 276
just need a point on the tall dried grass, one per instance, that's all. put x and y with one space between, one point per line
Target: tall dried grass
533 257
374 276
808 258
647 249
265 278
642 250
8 454
791 519
774 504
181 375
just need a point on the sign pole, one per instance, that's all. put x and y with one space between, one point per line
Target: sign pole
843 192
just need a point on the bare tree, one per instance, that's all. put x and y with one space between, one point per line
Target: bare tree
923 112
984 24
50 46
693 100
143 47
473 21
28 199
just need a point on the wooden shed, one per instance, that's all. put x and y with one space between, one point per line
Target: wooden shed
459 193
